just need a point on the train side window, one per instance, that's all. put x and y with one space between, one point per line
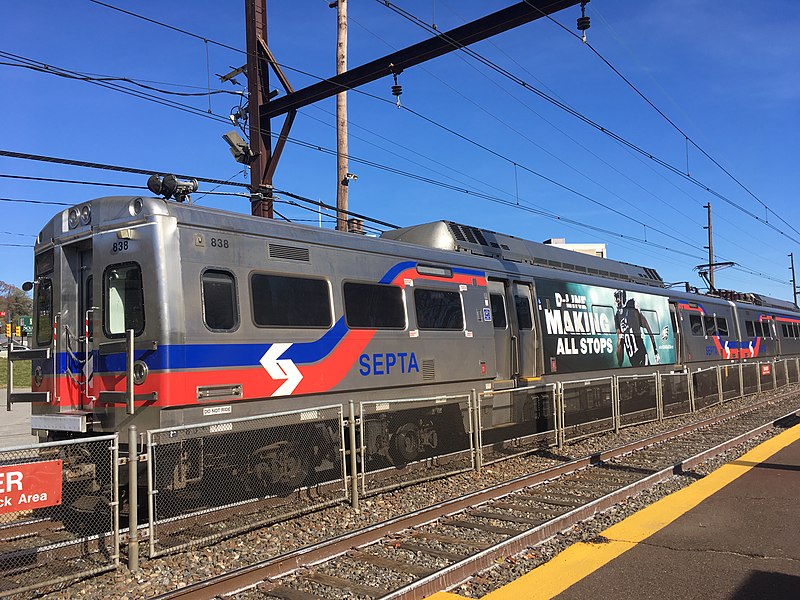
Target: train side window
124 299
708 324
374 306
750 329
696 323
524 318
784 330
498 311
438 309
722 326
220 302
44 312
282 301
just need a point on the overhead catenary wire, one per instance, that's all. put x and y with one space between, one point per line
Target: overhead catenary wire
577 114
375 165
686 136
557 102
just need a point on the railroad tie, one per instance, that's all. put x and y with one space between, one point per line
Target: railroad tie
287 593
345 584
388 563
481 526
488 514
555 499
528 509
447 539
451 556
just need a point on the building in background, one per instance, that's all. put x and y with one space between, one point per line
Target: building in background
590 249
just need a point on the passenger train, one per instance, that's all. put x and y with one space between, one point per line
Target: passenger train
235 316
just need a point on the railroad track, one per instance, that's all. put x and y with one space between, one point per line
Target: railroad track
436 548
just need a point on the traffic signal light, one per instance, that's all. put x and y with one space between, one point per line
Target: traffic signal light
8 330
18 332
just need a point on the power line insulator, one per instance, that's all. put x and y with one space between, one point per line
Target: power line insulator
583 21
397 90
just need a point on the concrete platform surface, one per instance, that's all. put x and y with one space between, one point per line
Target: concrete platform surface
732 535
15 425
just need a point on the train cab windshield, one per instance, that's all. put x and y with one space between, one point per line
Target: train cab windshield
124 299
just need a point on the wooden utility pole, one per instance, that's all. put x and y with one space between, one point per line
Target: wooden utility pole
710 249
794 279
258 93
342 182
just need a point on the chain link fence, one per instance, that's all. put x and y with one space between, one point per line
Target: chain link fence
59 518
675 394
587 408
730 377
638 399
210 481
781 377
793 370
411 440
530 413
705 387
750 378
766 374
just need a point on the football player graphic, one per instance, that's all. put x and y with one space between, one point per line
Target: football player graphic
629 321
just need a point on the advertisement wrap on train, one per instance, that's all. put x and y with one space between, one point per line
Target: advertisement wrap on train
588 328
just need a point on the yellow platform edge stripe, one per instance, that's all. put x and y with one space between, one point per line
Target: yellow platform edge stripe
582 559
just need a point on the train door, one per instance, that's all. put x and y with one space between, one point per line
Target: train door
676 327
86 310
526 344
504 337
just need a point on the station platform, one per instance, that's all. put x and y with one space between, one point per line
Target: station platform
730 535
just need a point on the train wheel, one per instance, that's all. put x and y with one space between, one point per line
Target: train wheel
279 467
405 444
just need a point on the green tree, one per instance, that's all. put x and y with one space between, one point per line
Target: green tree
14 301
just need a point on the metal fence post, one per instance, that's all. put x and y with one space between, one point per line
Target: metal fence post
691 391
659 397
129 371
720 394
774 375
741 381
133 501
559 399
353 462
615 408
151 494
10 388
476 424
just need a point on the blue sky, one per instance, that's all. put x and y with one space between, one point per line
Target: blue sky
724 72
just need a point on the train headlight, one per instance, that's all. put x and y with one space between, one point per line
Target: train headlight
135 207
74 217
86 214
140 372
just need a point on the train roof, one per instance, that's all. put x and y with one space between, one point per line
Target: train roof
447 235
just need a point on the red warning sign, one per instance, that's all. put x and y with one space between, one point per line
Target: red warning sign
30 485
766 370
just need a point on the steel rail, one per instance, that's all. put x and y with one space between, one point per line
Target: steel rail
251 575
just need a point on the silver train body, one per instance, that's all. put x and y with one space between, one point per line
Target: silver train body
235 316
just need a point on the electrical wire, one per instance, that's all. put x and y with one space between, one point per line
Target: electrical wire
664 116
104 78
106 167
207 40
577 114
